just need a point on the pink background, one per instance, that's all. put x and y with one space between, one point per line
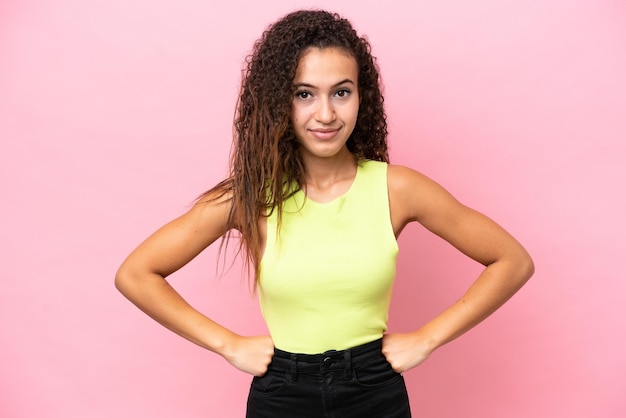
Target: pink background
115 114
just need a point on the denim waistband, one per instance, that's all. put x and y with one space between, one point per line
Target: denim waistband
331 361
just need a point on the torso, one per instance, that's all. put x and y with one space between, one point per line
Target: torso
332 265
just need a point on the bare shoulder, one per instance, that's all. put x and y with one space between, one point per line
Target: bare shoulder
402 179
414 196
208 218
180 240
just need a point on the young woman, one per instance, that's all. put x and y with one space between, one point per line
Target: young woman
319 208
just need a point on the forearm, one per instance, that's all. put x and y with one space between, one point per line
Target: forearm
153 295
495 285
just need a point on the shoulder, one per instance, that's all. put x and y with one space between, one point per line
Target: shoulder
405 181
212 209
401 176
414 196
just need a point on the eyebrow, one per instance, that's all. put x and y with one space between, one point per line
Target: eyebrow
347 80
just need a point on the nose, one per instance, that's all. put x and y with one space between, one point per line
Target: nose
325 112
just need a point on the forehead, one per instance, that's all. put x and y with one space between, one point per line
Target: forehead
328 64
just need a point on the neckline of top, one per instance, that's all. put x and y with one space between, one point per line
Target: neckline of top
338 198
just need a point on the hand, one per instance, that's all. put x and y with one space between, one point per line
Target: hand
405 351
250 354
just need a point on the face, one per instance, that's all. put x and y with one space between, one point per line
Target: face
325 101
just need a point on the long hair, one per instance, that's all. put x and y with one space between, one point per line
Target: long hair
266 166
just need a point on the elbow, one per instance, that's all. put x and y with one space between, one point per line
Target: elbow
526 266
132 281
123 280
120 280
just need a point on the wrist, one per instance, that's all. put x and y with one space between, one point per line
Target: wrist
224 343
219 340
427 340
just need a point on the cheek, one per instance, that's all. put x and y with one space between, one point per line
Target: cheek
298 116
355 111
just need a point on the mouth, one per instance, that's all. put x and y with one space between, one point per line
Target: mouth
324 133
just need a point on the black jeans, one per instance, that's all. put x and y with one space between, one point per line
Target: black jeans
357 383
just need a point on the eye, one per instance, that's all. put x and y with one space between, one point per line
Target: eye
342 93
303 94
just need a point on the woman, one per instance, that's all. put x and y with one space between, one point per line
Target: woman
319 209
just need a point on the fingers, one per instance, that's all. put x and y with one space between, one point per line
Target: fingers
252 355
403 352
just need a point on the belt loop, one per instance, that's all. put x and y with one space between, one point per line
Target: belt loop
347 357
294 368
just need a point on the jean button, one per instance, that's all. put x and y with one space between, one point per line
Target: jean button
327 361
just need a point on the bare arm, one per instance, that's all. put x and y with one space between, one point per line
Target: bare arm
141 278
414 197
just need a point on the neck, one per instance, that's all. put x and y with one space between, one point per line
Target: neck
326 173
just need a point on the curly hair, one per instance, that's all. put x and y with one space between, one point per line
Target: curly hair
266 165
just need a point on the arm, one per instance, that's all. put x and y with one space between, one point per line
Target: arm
415 198
141 278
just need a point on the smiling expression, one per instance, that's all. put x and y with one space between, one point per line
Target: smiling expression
325 101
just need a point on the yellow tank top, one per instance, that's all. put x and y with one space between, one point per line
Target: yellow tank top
326 277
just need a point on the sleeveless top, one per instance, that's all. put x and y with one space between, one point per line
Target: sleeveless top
326 277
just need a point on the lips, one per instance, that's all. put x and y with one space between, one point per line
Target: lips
324 134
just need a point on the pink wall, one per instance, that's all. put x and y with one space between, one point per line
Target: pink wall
114 115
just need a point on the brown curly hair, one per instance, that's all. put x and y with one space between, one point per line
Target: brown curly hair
266 165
